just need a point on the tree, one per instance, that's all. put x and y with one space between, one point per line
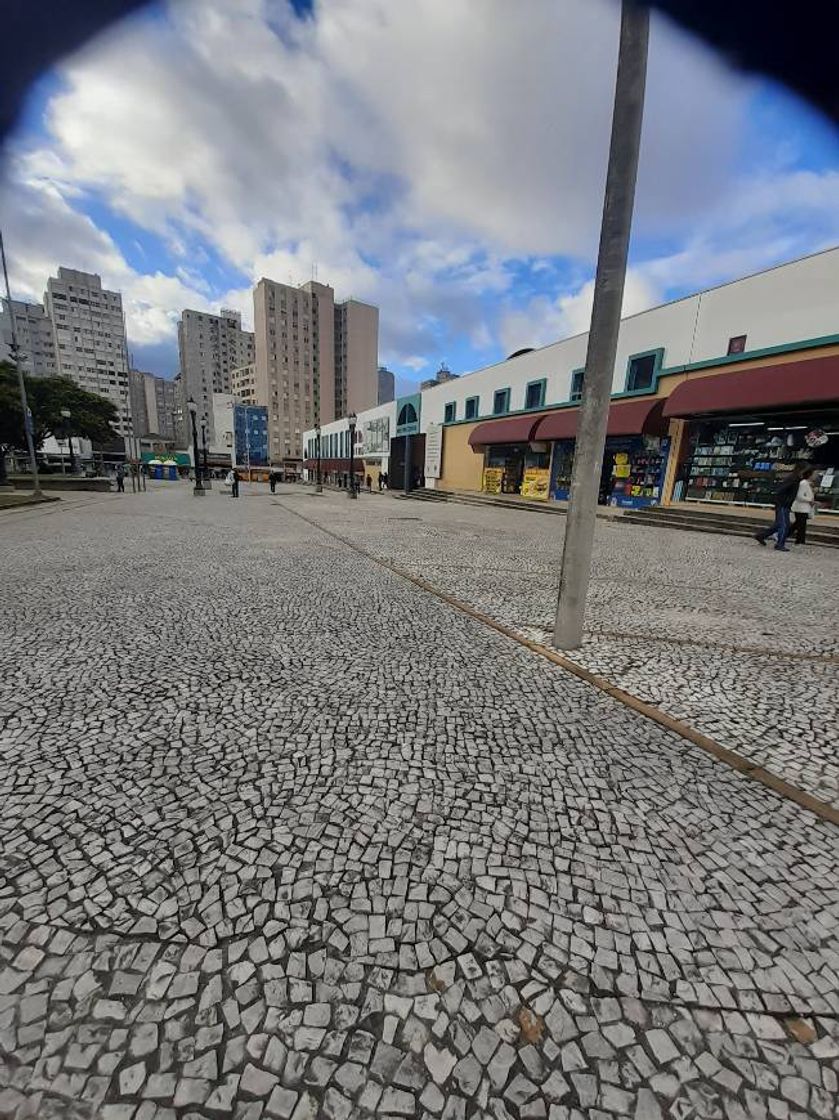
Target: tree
91 416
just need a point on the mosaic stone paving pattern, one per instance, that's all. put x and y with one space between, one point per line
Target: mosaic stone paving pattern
284 836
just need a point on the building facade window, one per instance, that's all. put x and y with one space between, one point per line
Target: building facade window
449 413
500 401
737 344
577 384
642 370
471 410
534 394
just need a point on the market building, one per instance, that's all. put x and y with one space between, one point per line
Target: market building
714 397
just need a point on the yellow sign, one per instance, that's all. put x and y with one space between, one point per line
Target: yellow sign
536 483
622 470
492 479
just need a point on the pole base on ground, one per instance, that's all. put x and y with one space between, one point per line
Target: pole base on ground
198 491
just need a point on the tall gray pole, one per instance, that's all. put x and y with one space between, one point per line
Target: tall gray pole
605 322
24 404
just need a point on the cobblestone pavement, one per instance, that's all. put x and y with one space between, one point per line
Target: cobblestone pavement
284 836
740 642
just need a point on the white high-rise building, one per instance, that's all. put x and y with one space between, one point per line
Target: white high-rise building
210 346
33 331
89 333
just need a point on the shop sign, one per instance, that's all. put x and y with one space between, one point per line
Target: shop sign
433 450
816 438
492 480
536 483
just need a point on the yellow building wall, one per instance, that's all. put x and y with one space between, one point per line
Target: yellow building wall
462 466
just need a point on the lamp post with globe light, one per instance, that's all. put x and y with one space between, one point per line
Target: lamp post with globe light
351 420
198 489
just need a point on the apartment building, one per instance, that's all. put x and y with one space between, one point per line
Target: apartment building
243 383
153 404
387 385
356 356
34 335
89 336
209 346
294 368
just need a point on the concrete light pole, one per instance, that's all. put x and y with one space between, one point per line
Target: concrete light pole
605 323
24 404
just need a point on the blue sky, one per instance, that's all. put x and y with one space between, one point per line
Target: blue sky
443 159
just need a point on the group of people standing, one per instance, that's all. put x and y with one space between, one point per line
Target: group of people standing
795 495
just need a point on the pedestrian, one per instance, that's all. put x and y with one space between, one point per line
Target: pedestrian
381 481
232 481
369 484
804 506
272 481
121 478
783 498
385 481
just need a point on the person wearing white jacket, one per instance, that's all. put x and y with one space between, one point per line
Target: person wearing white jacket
803 507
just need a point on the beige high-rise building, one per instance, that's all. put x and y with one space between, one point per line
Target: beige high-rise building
210 346
153 404
315 360
356 357
243 383
89 333
294 361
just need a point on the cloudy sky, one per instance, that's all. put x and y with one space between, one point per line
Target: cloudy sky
443 159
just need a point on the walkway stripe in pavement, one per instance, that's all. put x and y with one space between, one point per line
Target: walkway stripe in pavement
730 758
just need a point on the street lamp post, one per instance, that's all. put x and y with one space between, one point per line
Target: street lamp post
24 404
319 481
65 415
351 420
198 489
207 482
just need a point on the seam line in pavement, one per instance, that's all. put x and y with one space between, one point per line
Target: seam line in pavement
731 758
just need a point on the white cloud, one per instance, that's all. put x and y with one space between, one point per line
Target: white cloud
414 152
544 320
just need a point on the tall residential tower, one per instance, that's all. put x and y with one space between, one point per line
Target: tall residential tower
89 332
210 346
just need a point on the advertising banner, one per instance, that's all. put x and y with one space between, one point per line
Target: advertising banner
492 479
433 451
536 483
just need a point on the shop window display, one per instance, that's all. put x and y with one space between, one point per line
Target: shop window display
506 464
632 474
743 461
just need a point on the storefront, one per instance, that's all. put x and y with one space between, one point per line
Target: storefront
634 459
514 461
746 431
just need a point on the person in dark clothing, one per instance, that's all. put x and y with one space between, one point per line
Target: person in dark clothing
120 479
272 481
369 482
783 498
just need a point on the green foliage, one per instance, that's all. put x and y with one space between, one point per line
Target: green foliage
92 417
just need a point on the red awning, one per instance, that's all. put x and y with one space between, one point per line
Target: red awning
626 418
749 390
515 429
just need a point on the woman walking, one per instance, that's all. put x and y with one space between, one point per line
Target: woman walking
803 507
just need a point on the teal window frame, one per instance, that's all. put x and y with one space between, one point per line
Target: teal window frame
658 355
541 383
576 395
476 401
449 412
501 411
